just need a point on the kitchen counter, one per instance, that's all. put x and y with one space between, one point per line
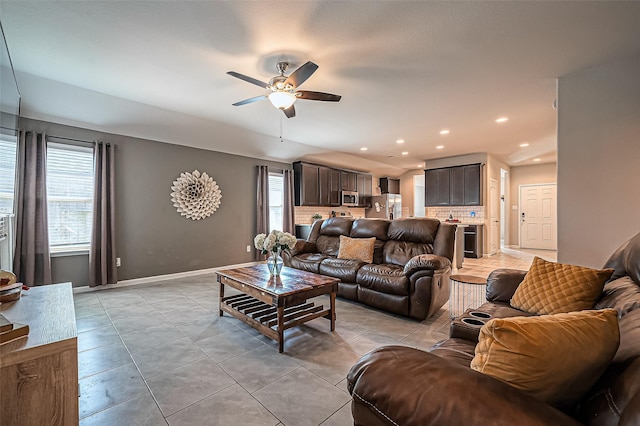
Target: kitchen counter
460 240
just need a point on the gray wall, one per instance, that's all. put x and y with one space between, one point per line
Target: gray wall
598 160
152 238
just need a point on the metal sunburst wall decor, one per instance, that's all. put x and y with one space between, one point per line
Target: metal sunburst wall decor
195 195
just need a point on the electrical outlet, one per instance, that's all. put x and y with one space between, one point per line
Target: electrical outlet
118 262
248 249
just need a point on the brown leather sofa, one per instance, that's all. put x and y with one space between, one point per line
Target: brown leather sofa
411 262
397 385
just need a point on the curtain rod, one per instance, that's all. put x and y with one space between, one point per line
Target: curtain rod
79 140
70 139
60 137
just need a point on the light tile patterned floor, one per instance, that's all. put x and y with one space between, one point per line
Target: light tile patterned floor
158 354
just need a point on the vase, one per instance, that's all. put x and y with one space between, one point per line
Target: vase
274 263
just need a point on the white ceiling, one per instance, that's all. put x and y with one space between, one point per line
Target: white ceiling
405 69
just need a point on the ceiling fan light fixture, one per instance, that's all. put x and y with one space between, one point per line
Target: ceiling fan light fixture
282 100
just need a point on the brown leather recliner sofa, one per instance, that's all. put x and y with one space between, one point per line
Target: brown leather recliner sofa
411 262
397 385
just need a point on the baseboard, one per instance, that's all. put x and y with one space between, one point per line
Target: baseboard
155 278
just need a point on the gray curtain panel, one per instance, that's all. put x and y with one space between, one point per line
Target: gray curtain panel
262 206
32 261
288 224
102 254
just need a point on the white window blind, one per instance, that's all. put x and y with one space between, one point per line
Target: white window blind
276 199
7 172
69 195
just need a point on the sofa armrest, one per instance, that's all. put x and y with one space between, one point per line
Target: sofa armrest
426 261
302 246
502 283
397 385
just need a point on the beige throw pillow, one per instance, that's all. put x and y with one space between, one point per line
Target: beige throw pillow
555 358
356 248
552 288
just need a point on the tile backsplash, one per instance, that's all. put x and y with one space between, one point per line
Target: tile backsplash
303 214
463 214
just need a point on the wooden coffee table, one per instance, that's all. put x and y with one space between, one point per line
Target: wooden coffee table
279 302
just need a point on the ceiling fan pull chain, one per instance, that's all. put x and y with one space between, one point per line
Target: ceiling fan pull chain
281 140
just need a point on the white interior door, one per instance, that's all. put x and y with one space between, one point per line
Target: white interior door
538 217
494 212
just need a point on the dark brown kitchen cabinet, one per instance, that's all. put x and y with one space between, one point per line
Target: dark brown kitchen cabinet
437 187
454 186
328 186
472 185
317 185
334 187
348 181
306 183
389 185
324 189
365 185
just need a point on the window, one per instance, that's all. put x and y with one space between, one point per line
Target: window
7 172
69 196
276 200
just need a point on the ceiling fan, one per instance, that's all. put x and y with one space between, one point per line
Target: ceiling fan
283 90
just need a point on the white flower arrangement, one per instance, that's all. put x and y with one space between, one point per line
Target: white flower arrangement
275 242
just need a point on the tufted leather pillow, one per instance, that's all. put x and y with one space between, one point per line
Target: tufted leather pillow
555 358
552 288
357 248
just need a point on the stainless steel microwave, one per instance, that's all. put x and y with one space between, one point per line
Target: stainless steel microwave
349 199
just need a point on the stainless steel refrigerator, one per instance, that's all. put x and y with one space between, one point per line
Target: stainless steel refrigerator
386 206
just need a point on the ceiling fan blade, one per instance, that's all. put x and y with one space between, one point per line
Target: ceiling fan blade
300 75
290 112
251 100
317 96
248 79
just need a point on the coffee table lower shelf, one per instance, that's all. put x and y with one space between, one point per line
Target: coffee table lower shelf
264 317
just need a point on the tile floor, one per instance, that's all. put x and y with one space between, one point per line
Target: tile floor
158 354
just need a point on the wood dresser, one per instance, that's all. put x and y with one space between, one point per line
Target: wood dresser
39 374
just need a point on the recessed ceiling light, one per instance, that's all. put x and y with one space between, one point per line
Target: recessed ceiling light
364 148
420 165
400 141
405 152
445 131
439 146
524 145
502 119
536 159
